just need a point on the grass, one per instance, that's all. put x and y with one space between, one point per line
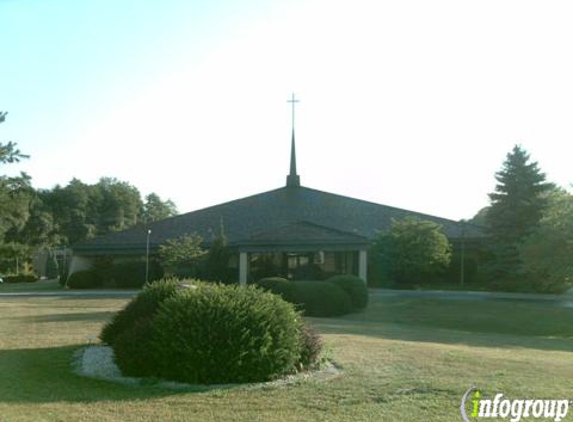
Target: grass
403 360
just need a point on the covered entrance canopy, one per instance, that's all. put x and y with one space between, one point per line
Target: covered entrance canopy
302 250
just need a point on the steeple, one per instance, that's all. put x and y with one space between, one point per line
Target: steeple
293 179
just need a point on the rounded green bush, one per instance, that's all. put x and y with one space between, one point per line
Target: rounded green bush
320 299
354 287
277 285
129 332
216 334
85 279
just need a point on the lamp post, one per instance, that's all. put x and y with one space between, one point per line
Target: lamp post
147 257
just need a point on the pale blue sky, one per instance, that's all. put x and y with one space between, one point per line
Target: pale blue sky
412 103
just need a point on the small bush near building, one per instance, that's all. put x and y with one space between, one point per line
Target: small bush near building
20 278
354 287
129 332
320 299
315 298
85 279
278 285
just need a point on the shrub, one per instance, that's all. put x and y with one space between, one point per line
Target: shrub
129 332
225 333
320 299
315 298
278 285
20 278
311 345
131 274
85 279
354 287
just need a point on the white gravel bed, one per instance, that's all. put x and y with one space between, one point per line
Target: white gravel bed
97 362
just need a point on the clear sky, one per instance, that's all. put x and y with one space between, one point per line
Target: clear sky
412 104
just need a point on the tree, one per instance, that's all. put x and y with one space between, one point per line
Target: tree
15 192
8 152
155 209
516 208
518 201
547 253
217 259
413 251
182 255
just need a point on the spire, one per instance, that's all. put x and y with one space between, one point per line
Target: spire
293 179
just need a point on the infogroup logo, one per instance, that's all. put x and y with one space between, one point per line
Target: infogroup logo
474 407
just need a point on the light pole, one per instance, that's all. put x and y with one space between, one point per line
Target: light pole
147 257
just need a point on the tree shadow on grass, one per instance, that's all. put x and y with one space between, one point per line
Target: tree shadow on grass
430 334
70 317
46 375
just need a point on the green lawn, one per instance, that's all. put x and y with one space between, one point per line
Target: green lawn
403 360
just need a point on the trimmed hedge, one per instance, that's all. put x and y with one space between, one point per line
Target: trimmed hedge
278 285
85 279
225 334
321 299
354 287
21 278
315 298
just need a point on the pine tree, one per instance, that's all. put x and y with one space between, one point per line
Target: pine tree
518 201
516 208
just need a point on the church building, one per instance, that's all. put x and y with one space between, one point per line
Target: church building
294 231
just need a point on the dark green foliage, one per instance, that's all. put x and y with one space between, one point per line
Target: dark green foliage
311 346
85 279
216 265
182 256
320 299
315 298
354 286
154 209
225 334
516 208
129 332
52 267
547 253
131 274
518 201
21 278
413 251
278 285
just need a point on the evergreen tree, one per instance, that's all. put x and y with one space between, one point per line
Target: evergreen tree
516 208
518 201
